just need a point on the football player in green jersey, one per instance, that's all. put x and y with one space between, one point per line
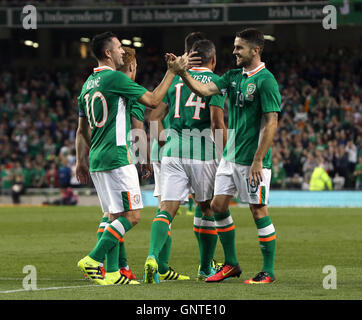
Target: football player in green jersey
139 135
104 124
137 114
254 103
129 68
189 160
161 117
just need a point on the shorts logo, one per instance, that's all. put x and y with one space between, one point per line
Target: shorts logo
252 187
137 198
250 89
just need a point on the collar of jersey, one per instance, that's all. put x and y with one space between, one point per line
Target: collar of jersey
101 68
254 71
200 69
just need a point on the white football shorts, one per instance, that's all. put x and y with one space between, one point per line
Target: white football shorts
157 178
156 174
181 177
233 179
118 190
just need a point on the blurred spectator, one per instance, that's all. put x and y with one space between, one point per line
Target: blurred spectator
358 174
305 184
52 176
278 176
320 179
351 150
68 198
64 173
338 182
309 164
6 179
39 176
17 183
341 161
28 174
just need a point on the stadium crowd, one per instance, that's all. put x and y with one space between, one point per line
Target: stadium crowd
320 125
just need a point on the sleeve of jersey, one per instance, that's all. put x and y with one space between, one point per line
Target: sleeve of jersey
138 111
125 87
270 96
81 112
165 99
222 83
218 101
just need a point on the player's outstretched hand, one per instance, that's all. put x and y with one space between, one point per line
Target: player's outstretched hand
177 64
82 173
193 60
170 58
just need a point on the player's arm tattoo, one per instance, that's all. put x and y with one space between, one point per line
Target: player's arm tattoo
199 88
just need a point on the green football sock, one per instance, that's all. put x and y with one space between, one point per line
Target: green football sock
226 231
190 204
164 255
267 240
208 240
159 232
197 222
103 224
112 258
110 238
122 256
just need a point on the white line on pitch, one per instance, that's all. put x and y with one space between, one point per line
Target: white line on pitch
50 288
42 279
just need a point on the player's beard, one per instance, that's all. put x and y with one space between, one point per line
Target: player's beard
245 61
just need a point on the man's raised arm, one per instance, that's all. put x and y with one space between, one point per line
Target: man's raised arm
154 98
201 89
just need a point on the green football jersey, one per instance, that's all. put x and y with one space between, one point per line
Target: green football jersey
138 110
156 149
189 133
250 95
104 101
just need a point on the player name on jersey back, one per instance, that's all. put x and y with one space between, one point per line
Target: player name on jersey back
190 135
92 83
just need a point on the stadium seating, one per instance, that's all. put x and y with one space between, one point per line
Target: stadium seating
320 121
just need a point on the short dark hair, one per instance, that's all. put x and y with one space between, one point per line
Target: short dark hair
191 38
205 50
99 43
253 36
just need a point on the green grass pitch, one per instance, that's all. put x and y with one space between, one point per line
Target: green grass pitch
53 239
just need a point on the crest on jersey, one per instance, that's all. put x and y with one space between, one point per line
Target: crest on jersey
250 89
137 198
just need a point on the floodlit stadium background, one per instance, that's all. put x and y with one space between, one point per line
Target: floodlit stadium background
318 71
